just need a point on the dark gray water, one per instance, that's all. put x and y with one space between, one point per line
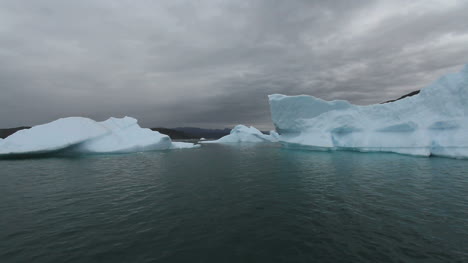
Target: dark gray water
234 204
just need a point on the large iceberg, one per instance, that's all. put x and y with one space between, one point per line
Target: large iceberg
244 134
434 122
83 135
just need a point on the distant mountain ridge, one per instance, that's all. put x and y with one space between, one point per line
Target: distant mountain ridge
204 133
174 134
7 132
412 93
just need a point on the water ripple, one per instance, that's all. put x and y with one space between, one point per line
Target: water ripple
230 204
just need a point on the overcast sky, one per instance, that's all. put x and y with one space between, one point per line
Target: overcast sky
213 63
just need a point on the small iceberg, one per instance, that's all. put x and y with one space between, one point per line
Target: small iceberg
83 135
244 134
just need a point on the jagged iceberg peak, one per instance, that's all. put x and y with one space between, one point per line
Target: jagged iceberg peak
434 122
83 135
244 134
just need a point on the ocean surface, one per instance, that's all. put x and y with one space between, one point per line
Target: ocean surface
245 203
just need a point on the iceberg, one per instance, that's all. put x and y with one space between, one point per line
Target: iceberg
244 134
433 122
83 135
274 136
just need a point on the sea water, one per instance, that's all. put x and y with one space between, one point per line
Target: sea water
238 203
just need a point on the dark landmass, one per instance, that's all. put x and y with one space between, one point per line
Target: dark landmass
204 133
404 96
174 134
193 132
7 132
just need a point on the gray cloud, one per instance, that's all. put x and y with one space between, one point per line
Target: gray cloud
212 63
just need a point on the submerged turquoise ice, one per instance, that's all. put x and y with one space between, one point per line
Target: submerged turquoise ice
225 203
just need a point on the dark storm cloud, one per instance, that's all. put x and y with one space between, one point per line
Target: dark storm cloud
213 63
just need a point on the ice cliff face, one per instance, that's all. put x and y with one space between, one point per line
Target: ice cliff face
434 122
244 134
83 135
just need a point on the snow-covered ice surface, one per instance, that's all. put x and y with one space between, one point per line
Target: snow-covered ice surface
244 134
434 122
83 135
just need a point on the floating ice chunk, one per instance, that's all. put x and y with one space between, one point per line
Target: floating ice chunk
434 122
274 136
244 134
126 136
52 136
184 145
83 135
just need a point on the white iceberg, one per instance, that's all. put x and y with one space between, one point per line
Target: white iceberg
83 135
244 134
434 122
274 136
